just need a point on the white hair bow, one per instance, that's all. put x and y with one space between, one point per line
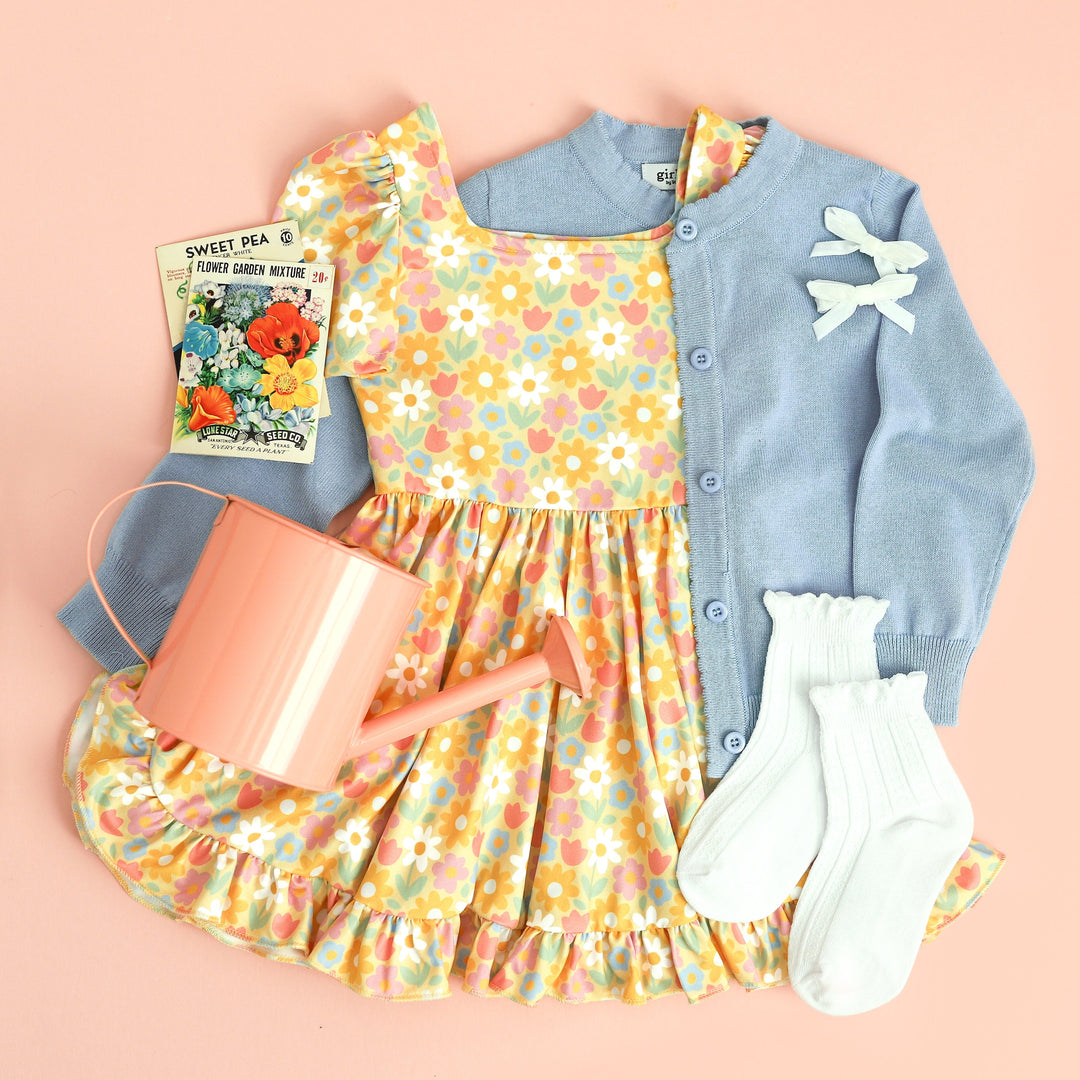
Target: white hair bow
838 300
889 255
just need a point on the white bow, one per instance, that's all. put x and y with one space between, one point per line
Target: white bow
839 300
888 255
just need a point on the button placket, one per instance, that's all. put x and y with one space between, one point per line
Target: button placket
706 509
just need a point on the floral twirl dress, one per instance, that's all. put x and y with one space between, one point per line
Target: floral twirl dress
523 413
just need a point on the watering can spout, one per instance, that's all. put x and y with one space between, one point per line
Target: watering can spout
560 659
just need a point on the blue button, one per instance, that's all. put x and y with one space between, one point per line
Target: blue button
709 482
734 742
716 611
686 229
701 359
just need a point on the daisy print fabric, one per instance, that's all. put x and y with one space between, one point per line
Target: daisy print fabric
522 407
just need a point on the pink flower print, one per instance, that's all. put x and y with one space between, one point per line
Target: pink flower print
595 497
527 781
418 287
560 412
450 873
658 460
385 450
511 487
194 812
500 339
467 776
146 819
318 829
189 887
597 264
454 412
630 879
563 817
484 626
651 343
510 251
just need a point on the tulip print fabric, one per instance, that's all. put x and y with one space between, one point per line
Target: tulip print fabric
523 412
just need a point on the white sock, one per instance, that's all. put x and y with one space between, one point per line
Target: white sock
759 830
898 821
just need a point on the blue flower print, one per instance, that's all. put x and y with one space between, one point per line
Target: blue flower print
567 321
592 425
515 453
643 377
482 263
493 416
536 347
419 462
620 287
200 339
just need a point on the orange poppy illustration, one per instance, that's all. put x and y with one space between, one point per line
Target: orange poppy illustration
282 331
210 405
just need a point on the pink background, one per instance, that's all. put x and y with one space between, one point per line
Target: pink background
146 123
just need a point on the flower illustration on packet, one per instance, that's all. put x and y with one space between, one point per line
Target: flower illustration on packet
252 359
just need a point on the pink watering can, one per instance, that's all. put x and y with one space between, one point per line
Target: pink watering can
282 639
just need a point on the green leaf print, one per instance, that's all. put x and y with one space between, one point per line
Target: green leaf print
461 349
517 416
628 490
409 886
549 295
613 377
453 279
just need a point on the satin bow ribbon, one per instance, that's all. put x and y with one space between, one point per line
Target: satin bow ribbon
838 300
889 255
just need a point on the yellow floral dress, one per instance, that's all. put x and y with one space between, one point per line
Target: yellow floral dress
521 400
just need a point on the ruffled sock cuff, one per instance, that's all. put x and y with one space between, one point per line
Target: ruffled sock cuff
875 701
830 620
945 661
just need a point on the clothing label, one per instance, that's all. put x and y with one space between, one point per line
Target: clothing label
661 176
252 360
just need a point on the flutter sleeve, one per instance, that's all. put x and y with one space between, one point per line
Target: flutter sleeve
345 200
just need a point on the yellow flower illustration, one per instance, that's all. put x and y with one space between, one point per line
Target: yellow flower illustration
289 387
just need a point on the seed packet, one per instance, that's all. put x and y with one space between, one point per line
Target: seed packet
252 358
278 240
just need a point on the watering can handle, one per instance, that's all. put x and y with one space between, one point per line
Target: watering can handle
89 549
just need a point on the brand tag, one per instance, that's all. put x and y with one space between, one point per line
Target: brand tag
661 176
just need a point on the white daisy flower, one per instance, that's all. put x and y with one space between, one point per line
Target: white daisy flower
420 848
253 836
446 249
603 849
646 563
641 922
448 481
216 909
657 955
592 946
496 661
405 169
273 887
520 864
409 674
553 604
546 923
608 339
162 792
468 313
593 774
618 453
411 400
301 189
682 545
130 788
315 250
683 772
529 386
355 314
496 782
553 494
423 778
355 838
554 262
226 768
409 943
674 402
392 205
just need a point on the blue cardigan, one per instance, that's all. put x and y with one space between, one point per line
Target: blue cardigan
874 461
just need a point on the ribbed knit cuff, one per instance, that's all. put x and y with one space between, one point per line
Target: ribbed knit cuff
144 613
944 661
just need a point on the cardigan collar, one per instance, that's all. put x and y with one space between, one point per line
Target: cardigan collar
711 187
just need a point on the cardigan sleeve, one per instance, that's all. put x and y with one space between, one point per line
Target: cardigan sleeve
344 199
945 475
157 539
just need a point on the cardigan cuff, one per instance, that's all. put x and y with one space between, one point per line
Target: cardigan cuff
944 660
143 611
